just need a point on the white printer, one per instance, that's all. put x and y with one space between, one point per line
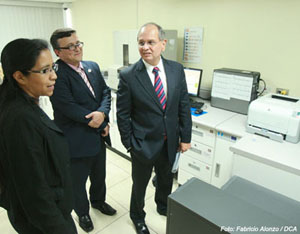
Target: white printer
275 116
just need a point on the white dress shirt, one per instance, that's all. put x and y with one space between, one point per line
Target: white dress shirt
161 73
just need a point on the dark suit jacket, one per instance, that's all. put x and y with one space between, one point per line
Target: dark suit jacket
35 158
72 101
141 119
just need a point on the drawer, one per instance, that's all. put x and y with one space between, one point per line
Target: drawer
183 176
199 169
203 134
201 152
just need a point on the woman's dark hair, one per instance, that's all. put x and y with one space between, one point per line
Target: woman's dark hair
18 55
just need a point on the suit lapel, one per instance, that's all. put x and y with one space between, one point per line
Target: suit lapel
143 77
170 76
76 77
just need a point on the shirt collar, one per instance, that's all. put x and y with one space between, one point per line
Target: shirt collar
150 67
78 69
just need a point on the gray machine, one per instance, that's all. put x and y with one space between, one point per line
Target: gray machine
239 207
234 89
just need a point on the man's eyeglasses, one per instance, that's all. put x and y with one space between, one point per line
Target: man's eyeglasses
72 47
150 43
47 70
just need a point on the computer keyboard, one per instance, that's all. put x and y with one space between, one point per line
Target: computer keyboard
197 105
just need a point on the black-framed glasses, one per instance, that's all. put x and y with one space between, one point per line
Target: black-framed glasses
46 70
72 47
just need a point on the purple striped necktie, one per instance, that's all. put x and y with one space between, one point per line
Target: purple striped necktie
159 89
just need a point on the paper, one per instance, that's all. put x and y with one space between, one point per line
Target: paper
176 163
192 50
228 86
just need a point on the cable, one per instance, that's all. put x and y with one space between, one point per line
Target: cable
265 87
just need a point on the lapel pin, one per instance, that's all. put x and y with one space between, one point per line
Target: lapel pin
89 70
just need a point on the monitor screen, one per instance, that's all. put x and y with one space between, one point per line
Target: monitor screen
193 80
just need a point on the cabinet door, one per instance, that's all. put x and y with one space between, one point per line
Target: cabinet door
203 134
223 159
199 169
201 152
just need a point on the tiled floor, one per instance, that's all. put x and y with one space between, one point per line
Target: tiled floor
118 183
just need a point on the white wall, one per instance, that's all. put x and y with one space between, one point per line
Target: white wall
254 35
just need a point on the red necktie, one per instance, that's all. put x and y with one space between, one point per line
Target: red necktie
159 89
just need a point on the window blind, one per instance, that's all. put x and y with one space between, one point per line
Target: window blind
21 21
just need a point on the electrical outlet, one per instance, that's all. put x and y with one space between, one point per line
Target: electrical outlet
282 91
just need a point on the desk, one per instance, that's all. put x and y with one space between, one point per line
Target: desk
274 165
213 117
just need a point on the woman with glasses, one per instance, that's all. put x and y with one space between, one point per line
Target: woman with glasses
34 158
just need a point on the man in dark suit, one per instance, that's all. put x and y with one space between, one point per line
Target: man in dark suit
81 103
154 120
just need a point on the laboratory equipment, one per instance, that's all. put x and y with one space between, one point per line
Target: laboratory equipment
234 89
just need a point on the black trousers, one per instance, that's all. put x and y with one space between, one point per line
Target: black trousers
141 174
94 168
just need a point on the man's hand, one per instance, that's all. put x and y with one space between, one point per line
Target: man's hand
184 147
97 119
105 131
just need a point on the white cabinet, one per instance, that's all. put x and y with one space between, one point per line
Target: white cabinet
223 159
209 158
196 167
228 133
201 152
203 134
197 162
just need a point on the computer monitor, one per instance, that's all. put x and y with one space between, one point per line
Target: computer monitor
193 80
